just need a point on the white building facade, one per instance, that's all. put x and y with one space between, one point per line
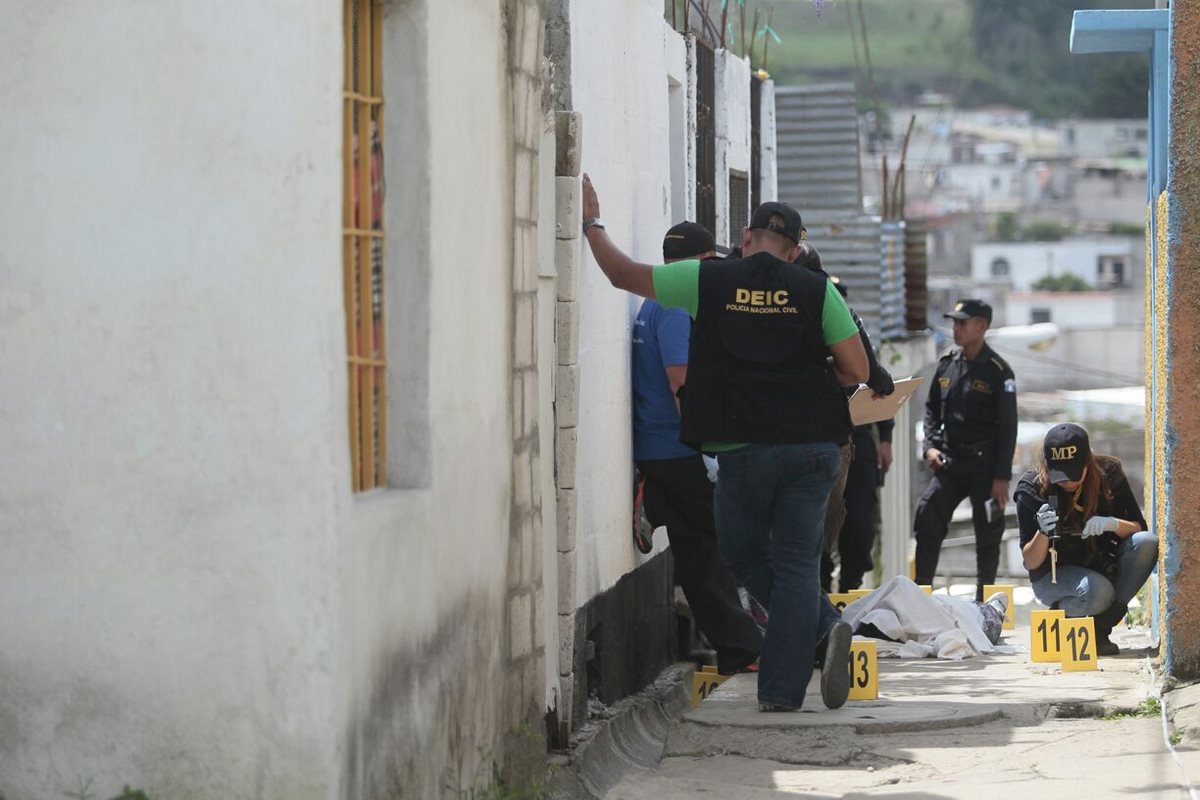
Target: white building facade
201 605
1101 262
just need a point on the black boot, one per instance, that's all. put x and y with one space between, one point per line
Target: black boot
1105 622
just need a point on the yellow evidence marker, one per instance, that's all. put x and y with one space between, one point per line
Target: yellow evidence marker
704 681
857 593
1078 644
1010 614
864 672
927 588
841 599
1045 635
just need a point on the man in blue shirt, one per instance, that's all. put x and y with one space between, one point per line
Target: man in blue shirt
677 491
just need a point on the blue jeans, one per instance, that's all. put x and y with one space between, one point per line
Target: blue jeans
1082 592
770 514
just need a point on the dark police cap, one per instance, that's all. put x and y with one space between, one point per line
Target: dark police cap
792 227
965 309
808 257
1067 451
687 240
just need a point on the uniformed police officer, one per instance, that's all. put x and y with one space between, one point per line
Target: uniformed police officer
761 393
970 433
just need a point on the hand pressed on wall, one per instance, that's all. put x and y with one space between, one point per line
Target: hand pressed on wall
590 206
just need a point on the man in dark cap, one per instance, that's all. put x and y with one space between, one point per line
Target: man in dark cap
839 513
761 394
854 539
970 433
675 486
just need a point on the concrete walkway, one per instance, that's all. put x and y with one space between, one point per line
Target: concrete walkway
988 727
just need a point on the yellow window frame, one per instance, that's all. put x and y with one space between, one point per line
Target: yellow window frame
362 242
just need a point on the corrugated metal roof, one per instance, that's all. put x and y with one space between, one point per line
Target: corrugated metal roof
819 174
849 247
817 152
817 147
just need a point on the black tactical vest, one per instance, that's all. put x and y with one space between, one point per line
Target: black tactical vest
757 369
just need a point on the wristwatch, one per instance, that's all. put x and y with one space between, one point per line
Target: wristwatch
592 222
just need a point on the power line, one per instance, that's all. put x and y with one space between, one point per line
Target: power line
1065 365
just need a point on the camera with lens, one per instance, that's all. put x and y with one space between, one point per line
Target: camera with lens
1098 553
1103 555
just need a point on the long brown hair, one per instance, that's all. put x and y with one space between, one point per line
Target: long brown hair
1095 481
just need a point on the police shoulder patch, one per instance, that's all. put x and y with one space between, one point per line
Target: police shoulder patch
1010 385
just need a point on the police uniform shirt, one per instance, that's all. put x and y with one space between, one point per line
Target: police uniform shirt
972 405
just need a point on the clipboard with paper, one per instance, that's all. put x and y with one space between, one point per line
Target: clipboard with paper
865 408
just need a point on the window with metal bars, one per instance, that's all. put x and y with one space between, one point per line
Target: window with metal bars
706 137
362 242
756 88
739 205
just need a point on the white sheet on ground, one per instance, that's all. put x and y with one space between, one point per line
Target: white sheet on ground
927 625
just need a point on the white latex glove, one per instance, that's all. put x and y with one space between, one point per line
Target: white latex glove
1047 519
1098 525
711 465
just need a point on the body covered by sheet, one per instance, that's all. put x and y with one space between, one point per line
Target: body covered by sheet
923 625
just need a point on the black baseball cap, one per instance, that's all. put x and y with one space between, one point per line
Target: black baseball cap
792 226
965 309
687 240
809 257
1067 451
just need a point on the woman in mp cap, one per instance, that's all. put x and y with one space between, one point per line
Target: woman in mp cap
1079 505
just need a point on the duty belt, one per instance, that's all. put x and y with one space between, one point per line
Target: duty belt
967 452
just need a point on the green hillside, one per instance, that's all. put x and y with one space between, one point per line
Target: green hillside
918 37
977 51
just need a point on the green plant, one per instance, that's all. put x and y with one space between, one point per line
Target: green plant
131 794
84 792
1175 738
498 789
1006 227
1150 707
1126 229
1061 283
520 773
1044 231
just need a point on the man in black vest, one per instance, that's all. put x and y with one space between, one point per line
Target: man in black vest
761 394
851 509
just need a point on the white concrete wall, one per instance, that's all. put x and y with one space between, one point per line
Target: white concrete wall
996 187
1078 310
1082 359
197 604
424 569
768 162
904 358
621 91
1104 138
173 425
731 123
1030 261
